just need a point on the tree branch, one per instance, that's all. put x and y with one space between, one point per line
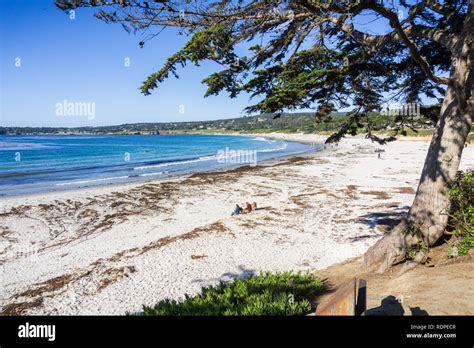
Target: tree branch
395 24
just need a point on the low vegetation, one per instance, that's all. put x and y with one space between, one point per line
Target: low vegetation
461 222
284 293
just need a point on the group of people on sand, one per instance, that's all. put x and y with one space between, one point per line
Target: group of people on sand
248 208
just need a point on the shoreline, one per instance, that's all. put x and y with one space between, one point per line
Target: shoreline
129 184
110 250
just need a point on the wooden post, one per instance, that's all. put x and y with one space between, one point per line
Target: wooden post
348 299
342 302
361 304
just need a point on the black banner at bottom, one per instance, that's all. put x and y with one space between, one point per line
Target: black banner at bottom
107 330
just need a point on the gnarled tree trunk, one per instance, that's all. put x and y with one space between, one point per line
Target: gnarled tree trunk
428 214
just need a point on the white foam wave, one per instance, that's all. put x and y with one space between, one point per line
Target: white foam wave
91 180
263 139
284 146
151 174
160 165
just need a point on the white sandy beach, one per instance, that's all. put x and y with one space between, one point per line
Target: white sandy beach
109 250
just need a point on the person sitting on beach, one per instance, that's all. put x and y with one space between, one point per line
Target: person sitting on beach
248 208
237 210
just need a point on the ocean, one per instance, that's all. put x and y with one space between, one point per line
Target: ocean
34 164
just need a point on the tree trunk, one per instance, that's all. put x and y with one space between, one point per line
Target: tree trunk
428 213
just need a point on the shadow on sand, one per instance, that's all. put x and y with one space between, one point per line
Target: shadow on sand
391 306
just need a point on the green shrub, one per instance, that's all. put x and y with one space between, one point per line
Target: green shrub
414 230
284 293
461 216
420 247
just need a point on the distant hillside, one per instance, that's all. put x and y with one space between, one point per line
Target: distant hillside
240 124
284 122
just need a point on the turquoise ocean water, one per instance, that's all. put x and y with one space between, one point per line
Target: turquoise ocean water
30 164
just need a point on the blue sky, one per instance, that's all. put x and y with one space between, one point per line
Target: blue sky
82 60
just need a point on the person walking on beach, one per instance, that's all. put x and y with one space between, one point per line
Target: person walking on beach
379 151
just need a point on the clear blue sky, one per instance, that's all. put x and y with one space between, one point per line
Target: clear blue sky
82 60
